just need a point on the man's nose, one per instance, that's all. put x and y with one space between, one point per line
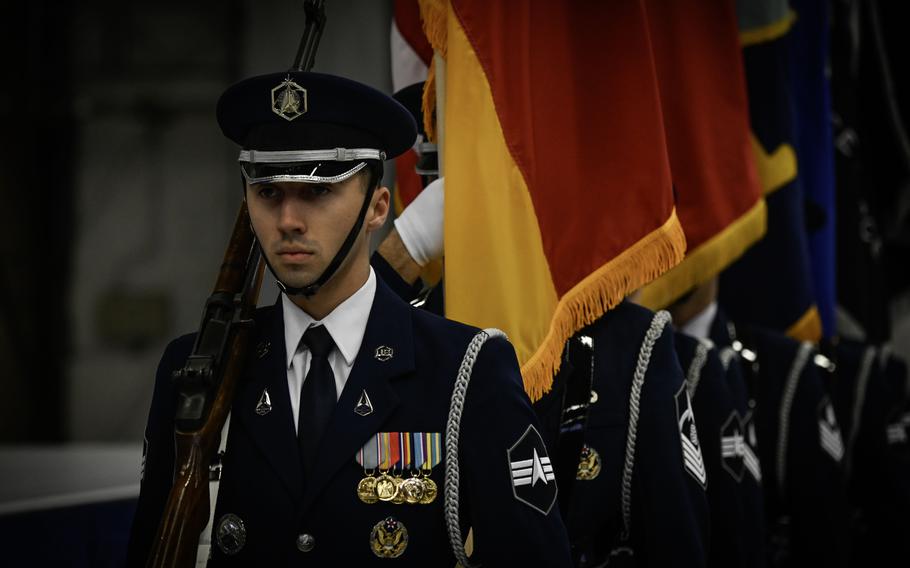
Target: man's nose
291 217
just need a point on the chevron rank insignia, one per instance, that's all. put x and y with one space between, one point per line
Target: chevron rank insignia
733 446
829 437
685 419
533 481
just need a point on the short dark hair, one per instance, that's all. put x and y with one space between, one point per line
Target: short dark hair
374 172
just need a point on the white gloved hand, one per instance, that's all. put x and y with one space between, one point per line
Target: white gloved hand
420 224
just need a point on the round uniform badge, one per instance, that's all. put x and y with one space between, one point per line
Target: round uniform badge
589 465
389 538
230 534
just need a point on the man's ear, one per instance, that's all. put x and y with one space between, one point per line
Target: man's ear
379 209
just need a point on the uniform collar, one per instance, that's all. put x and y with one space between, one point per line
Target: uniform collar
346 323
700 325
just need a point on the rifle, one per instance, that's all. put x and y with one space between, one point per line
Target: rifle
206 383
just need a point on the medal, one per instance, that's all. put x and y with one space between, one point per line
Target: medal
386 489
404 445
413 489
368 458
589 465
366 490
429 489
389 452
389 538
431 443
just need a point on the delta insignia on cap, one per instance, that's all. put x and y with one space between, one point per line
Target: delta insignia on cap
311 127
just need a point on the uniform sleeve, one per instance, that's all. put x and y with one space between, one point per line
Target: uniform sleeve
507 483
384 270
670 518
158 455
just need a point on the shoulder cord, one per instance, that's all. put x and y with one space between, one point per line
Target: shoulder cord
859 399
204 550
453 426
660 320
693 375
783 430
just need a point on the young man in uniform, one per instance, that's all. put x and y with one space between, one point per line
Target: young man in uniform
336 447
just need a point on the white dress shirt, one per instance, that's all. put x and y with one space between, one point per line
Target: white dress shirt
346 324
700 325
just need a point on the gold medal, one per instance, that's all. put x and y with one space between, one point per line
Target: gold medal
399 494
413 489
429 490
386 489
366 490
389 538
589 464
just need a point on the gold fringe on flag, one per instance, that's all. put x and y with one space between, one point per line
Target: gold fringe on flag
434 19
600 291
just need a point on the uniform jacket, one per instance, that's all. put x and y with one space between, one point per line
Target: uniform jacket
719 425
265 484
800 449
872 408
669 516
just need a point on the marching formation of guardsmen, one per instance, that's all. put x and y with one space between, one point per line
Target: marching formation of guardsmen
716 427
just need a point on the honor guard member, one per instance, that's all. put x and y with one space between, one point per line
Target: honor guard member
870 402
800 446
630 478
639 497
341 448
726 432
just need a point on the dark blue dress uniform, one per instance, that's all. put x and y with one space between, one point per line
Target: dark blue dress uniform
668 508
743 393
723 442
800 450
871 402
263 483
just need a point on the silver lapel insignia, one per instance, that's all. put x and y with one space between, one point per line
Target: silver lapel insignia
264 406
364 406
384 353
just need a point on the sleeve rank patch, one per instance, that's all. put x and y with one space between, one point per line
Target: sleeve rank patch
685 419
829 436
533 481
733 446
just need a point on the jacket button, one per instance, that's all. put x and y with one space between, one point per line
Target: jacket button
305 542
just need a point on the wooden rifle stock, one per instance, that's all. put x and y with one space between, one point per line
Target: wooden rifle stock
208 382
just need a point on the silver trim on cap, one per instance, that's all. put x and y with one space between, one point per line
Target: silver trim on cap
293 156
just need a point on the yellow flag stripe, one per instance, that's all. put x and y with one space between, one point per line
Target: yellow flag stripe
708 260
776 169
769 32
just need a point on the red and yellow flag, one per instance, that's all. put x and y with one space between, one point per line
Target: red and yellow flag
706 115
559 200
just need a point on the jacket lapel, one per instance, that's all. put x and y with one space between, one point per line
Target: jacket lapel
389 326
273 432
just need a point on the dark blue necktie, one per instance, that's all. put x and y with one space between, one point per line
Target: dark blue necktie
317 397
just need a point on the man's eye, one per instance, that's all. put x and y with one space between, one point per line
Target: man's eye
318 190
268 192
